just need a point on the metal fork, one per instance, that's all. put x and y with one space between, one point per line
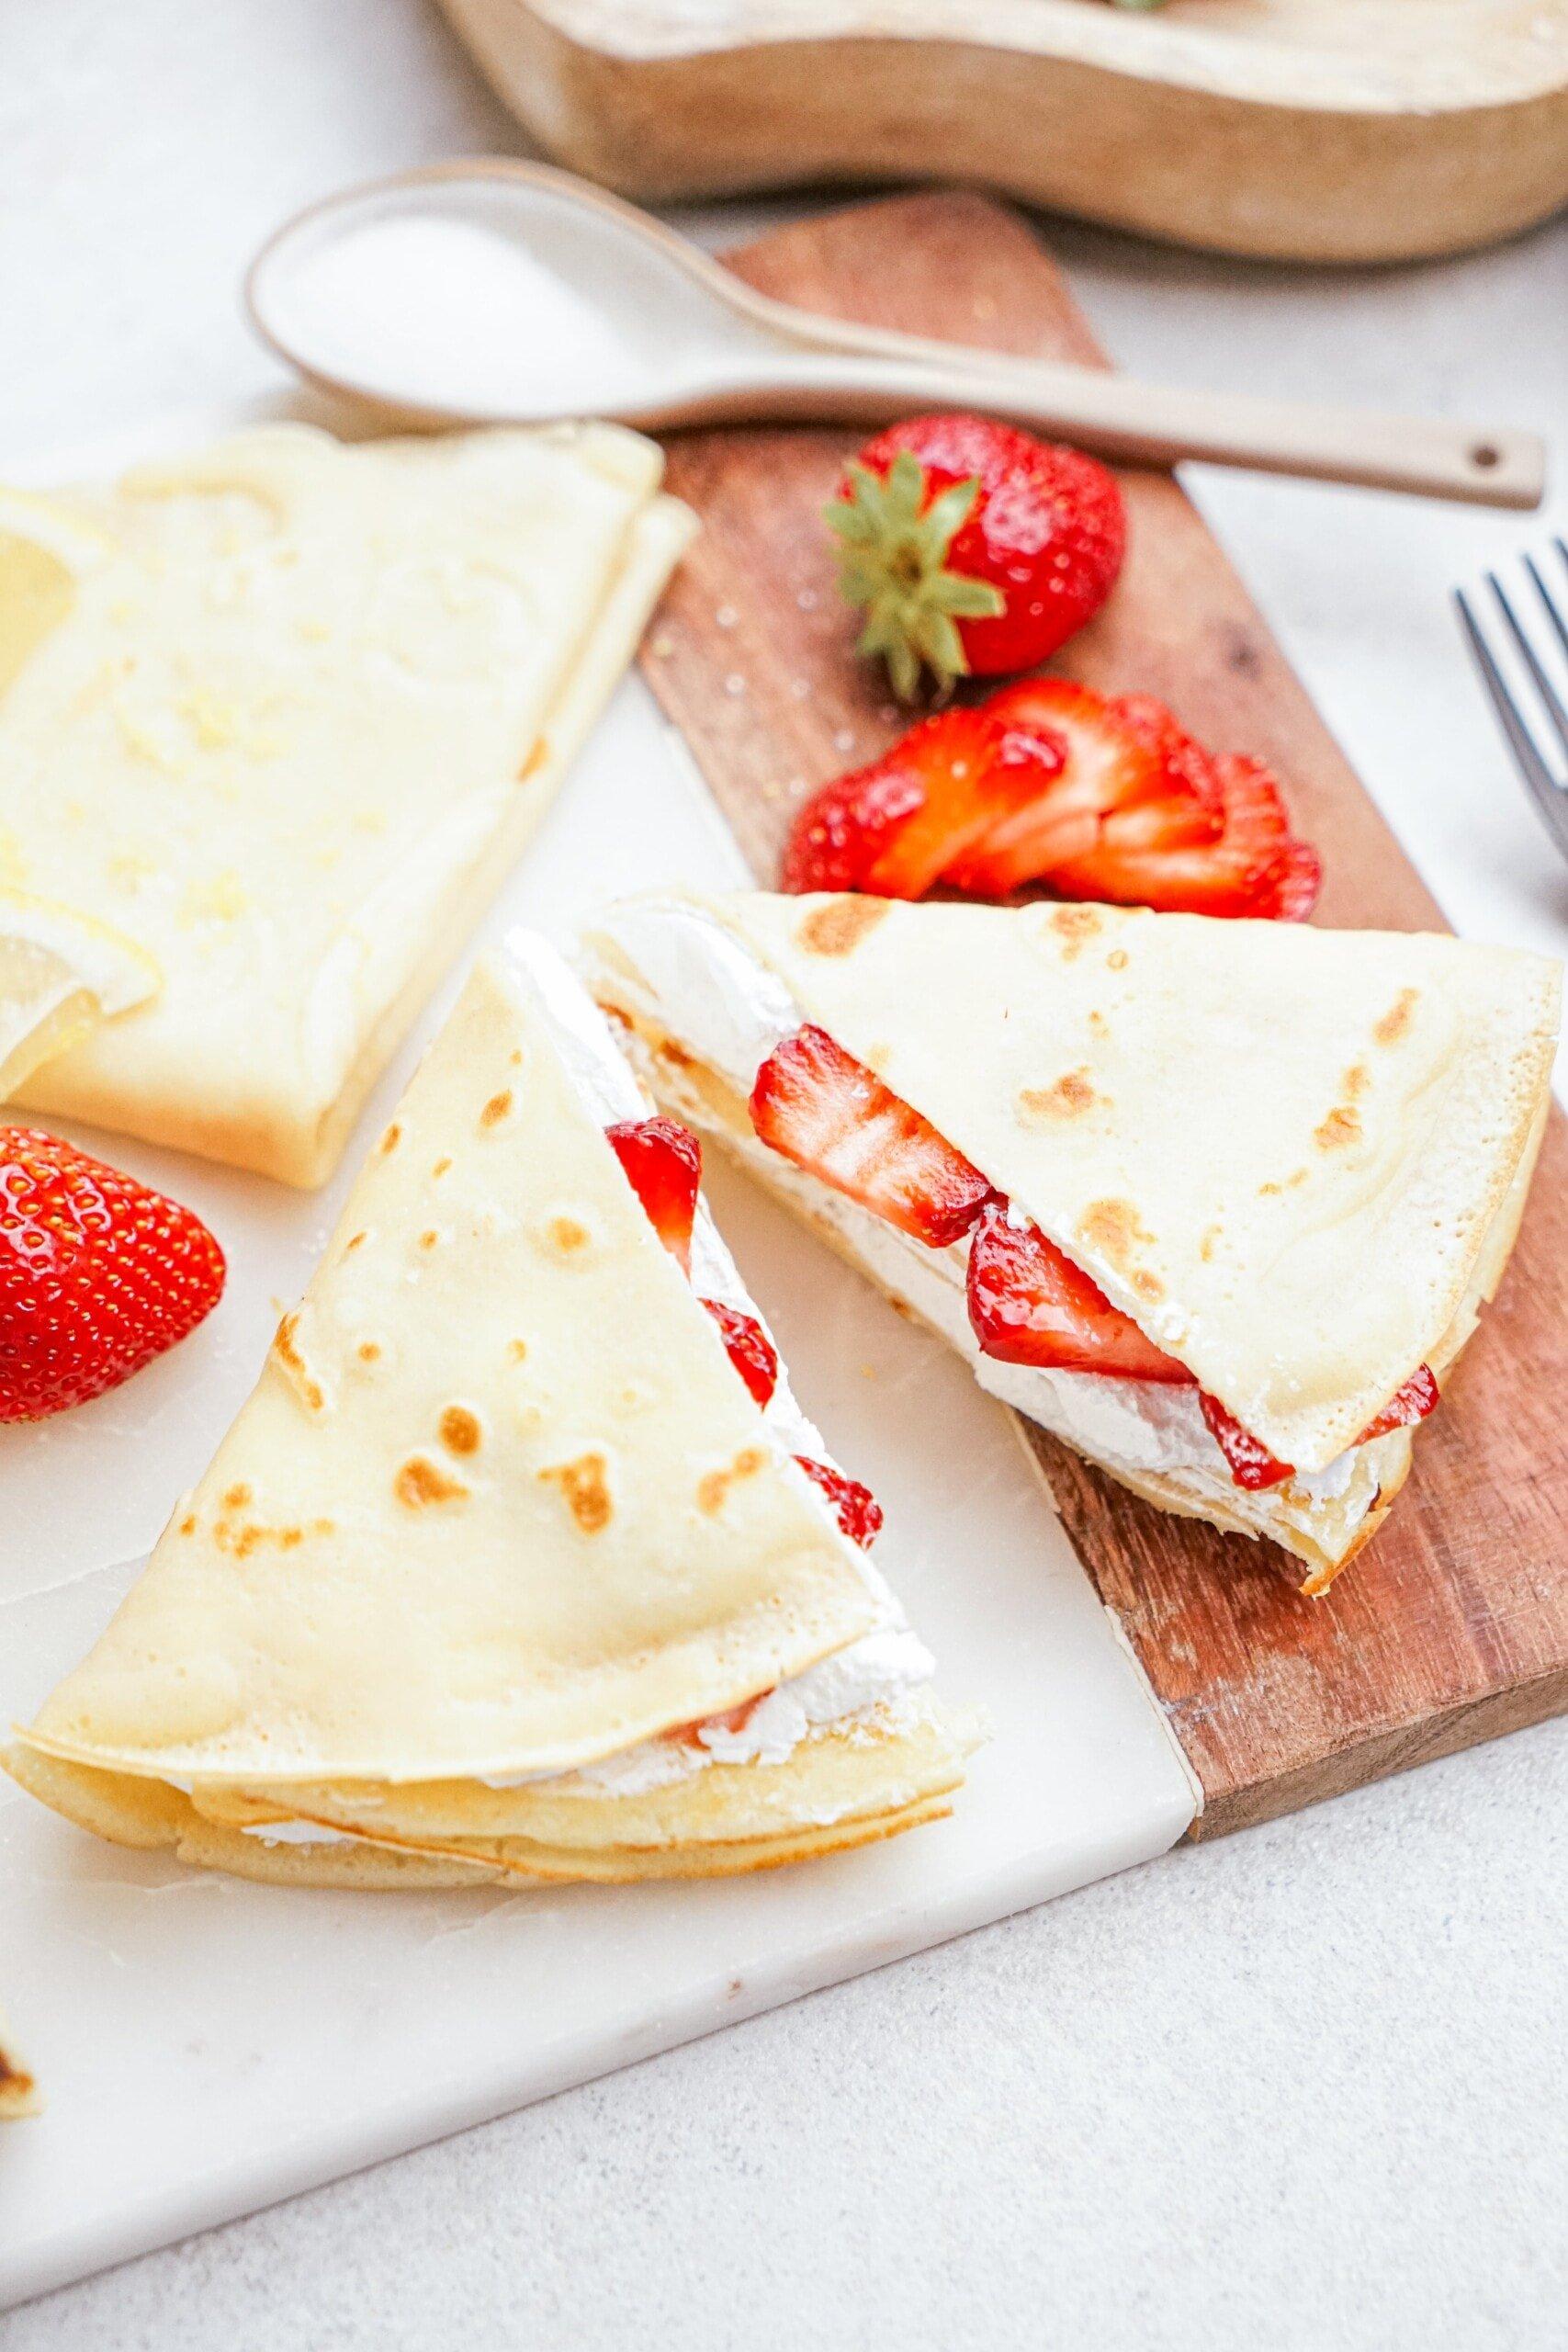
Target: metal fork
1545 770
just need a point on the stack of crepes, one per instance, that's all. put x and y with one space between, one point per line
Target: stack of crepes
505 1568
1217 1203
18 2091
274 720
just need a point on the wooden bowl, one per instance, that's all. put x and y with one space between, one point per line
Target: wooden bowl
1302 130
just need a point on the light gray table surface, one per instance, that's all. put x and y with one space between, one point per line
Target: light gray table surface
1308 2088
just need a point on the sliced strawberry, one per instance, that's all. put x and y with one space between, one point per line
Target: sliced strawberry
892 828
751 1351
1126 756
1252 865
856 1508
663 1162
1405 1406
733 1719
1029 1303
842 830
1253 1466
1251 1463
830 1115
98 1275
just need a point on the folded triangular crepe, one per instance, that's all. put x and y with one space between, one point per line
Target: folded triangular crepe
503 1565
1290 1163
18 2091
283 713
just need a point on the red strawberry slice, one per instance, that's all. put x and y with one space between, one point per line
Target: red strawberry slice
1252 1465
856 1508
751 1351
893 827
663 1162
830 1115
1405 1406
1251 865
1114 756
1029 1303
734 1719
98 1275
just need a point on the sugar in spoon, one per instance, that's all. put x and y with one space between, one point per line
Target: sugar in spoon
489 291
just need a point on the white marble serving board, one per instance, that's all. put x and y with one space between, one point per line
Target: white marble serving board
206 2046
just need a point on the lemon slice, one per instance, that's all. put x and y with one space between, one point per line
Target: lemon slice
45 555
61 974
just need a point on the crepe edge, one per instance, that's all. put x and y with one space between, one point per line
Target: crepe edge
153 1816
304 1155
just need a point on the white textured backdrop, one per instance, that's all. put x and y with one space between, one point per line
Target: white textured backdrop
1309 2088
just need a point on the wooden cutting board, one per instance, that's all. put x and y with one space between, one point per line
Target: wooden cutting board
1453 1626
1303 130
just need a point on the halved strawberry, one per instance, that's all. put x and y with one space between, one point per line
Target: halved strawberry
1405 1406
1251 865
98 1275
856 1508
1029 1303
830 1115
663 1162
751 1351
1112 757
892 828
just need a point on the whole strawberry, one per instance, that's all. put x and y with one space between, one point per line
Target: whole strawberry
98 1275
973 547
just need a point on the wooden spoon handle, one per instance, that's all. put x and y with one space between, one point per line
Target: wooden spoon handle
1159 424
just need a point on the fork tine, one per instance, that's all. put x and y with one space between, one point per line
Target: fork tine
1550 700
1551 801
1553 613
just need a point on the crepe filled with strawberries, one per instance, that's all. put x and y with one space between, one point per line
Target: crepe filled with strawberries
1217 1202
522 1560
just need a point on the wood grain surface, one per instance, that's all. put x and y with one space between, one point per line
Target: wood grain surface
1453 1626
1309 131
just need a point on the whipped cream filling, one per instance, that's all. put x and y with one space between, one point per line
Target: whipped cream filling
706 988
875 1675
